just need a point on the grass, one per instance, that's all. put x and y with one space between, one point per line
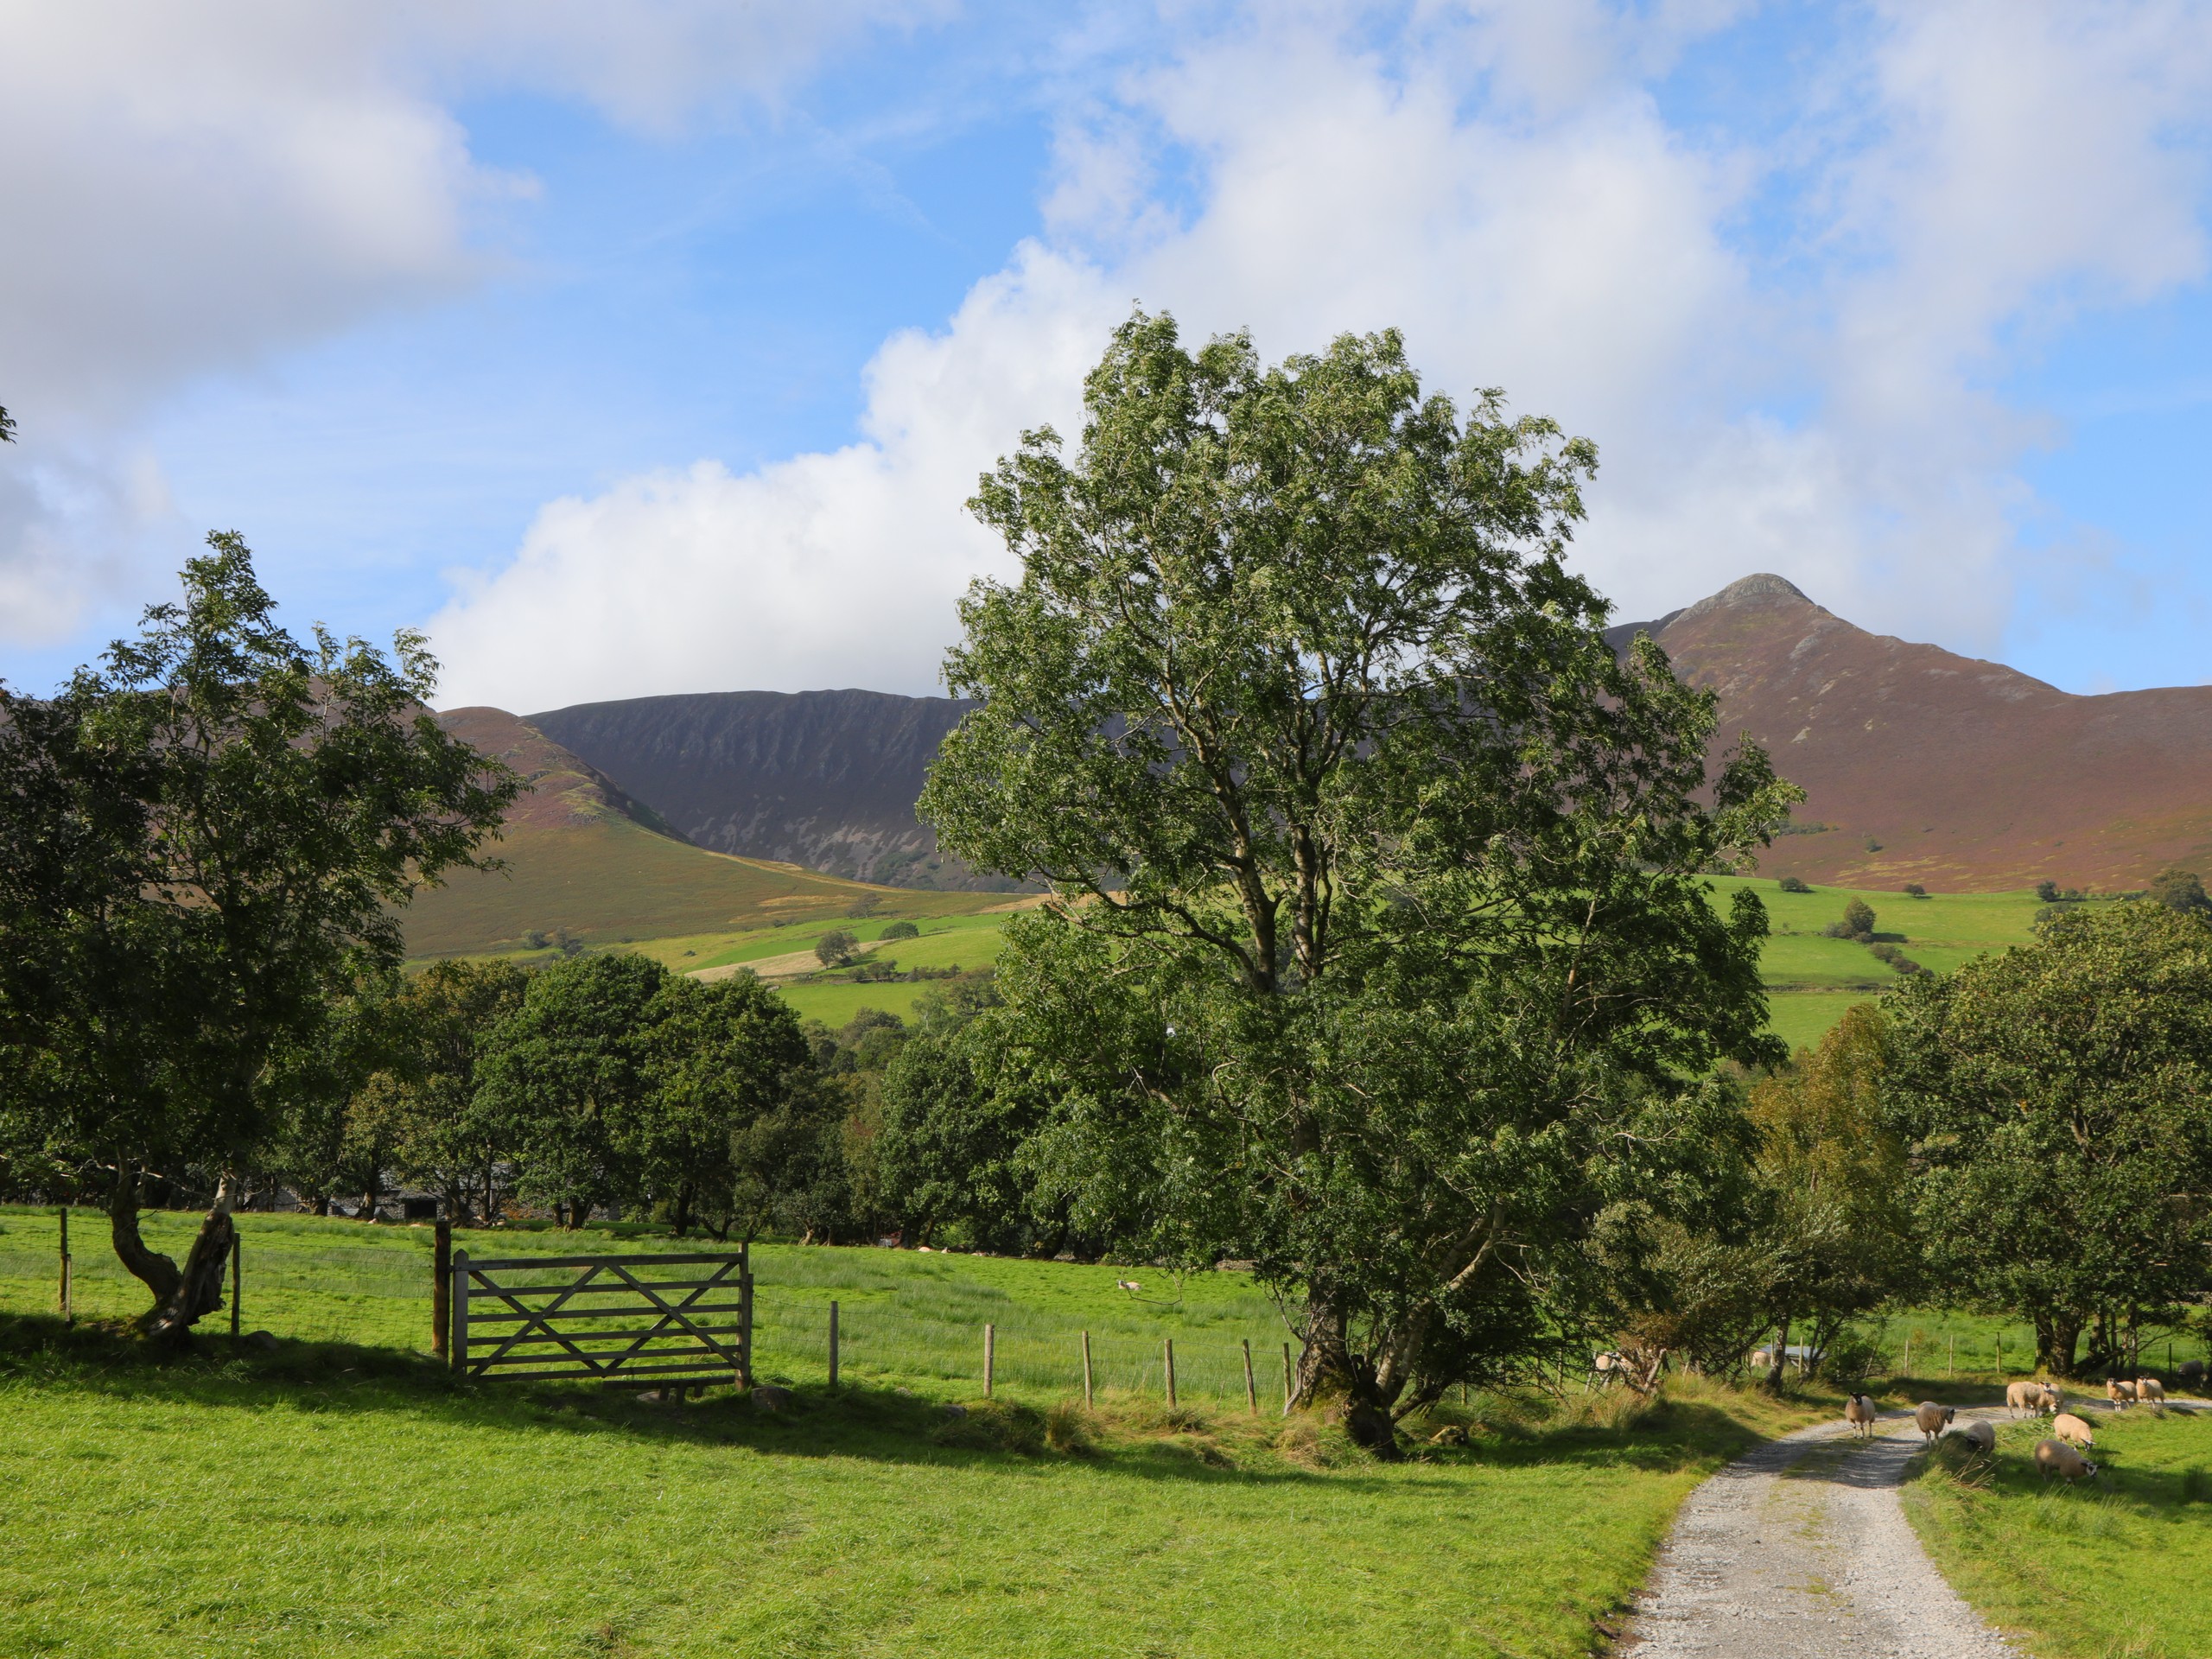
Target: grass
342 1492
2119 1567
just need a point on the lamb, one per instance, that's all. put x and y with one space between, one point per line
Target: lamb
2070 1428
2056 1458
2026 1395
1859 1412
2121 1393
1980 1435
2151 1392
1932 1420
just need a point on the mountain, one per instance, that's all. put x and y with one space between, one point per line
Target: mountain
585 858
825 780
1921 765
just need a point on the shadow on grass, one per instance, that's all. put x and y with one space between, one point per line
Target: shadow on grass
870 1422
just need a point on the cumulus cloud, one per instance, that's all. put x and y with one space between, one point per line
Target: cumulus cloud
192 189
1502 183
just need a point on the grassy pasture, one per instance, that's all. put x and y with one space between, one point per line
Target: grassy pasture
2121 1566
343 1492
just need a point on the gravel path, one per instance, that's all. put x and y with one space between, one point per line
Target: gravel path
1800 1548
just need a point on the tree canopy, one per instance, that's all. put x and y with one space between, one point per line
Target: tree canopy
1379 953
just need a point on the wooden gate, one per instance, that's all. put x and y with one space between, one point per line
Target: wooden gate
610 1319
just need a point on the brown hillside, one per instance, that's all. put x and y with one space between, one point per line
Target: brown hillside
1965 773
581 855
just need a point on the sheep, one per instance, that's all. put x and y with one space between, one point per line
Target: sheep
1980 1435
1932 1420
2190 1373
2024 1396
2151 1392
2070 1428
2056 1458
2052 1399
1605 1369
1859 1412
2121 1393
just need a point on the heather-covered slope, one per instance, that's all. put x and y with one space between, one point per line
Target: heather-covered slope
585 858
1954 773
827 779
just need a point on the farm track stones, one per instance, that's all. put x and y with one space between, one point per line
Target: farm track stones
1800 1548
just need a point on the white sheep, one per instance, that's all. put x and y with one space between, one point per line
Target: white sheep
2120 1392
1980 1435
1932 1420
2151 1392
2056 1458
1859 1412
2067 1426
2052 1399
2024 1396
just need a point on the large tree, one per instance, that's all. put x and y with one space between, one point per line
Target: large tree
1380 952
2058 1104
209 836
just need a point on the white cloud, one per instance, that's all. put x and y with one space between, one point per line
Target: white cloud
192 189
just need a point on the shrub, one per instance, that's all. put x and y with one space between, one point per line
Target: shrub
902 931
1858 922
1914 890
834 948
1792 884
2179 890
2047 890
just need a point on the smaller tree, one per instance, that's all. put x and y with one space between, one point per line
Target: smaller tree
836 948
2047 891
2180 890
1858 922
425 1103
902 931
1793 884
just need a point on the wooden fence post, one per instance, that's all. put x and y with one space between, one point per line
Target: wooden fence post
238 1277
1908 1353
68 1302
2001 1356
1169 1353
1286 1380
833 1345
744 1313
991 1356
1086 1370
457 1350
441 1285
1251 1390
1950 1355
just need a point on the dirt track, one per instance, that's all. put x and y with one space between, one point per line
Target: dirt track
1800 1548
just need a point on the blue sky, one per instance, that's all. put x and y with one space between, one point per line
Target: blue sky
654 348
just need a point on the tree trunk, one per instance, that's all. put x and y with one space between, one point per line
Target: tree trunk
369 1199
1328 1372
2057 1335
151 1268
321 1204
683 1208
1776 1375
579 1213
199 1288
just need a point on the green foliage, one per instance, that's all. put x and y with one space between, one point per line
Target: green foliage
423 1105
1914 890
1858 922
1836 1237
900 930
568 1077
1793 884
836 948
1381 950
2056 1101
2180 890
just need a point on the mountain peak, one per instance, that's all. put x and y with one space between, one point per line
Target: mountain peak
1762 591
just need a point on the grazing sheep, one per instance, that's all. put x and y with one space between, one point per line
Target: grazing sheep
2190 1373
2052 1399
1932 1420
2151 1392
2120 1393
1980 1435
1859 1412
2024 1397
2067 1426
2056 1458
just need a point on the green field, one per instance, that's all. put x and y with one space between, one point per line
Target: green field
2120 1567
338 1495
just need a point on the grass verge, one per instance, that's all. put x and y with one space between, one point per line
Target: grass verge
2122 1566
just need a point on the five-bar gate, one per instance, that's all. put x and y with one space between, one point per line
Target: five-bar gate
610 1319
